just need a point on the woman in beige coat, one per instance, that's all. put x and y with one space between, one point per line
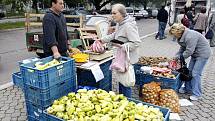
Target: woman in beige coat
201 21
127 33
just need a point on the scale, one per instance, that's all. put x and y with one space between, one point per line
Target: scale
99 56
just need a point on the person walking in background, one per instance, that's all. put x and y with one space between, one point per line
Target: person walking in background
194 45
55 40
180 16
190 16
162 19
211 27
126 32
201 21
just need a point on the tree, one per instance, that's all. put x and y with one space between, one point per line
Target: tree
17 5
99 3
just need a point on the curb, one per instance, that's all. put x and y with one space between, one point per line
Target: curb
4 86
7 30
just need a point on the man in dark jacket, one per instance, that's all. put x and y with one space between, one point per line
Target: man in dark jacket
162 18
55 41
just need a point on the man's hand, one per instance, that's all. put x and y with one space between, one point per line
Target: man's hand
56 55
55 52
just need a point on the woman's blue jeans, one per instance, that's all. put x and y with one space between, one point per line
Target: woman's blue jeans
126 91
196 66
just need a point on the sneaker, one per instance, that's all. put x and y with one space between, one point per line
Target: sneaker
182 91
194 98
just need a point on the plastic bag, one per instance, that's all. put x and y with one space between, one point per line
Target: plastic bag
97 47
150 92
169 99
119 62
174 65
127 78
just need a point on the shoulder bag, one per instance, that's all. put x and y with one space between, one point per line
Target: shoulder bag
126 78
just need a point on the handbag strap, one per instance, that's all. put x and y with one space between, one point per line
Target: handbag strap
182 61
197 17
127 52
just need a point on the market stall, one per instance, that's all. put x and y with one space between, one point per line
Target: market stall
156 69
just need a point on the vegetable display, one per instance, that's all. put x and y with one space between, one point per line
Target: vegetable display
99 105
152 61
169 99
150 92
41 66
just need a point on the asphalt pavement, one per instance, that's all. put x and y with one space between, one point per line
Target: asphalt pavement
12 103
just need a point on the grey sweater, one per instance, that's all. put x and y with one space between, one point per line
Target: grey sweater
127 32
193 44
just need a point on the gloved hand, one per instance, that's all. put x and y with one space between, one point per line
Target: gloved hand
56 55
176 58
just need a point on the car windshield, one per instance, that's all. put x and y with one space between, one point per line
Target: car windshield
129 10
82 12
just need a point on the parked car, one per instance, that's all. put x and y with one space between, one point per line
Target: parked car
152 12
2 11
130 11
139 14
85 14
144 13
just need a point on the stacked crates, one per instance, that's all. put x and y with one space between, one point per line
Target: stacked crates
17 77
42 87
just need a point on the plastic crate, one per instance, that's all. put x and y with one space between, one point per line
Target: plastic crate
45 97
17 79
86 78
166 83
44 79
165 111
28 60
35 112
137 73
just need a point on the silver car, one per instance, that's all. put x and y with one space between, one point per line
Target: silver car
144 13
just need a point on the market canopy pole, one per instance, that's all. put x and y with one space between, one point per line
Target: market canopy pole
188 3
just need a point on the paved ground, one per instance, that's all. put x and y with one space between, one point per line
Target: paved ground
12 100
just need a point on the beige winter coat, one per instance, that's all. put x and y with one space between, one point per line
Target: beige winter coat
127 32
201 21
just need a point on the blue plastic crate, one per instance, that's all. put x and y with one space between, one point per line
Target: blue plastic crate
28 60
86 78
165 111
35 112
17 79
31 118
45 97
166 83
44 79
137 73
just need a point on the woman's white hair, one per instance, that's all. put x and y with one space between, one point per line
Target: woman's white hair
177 28
121 8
